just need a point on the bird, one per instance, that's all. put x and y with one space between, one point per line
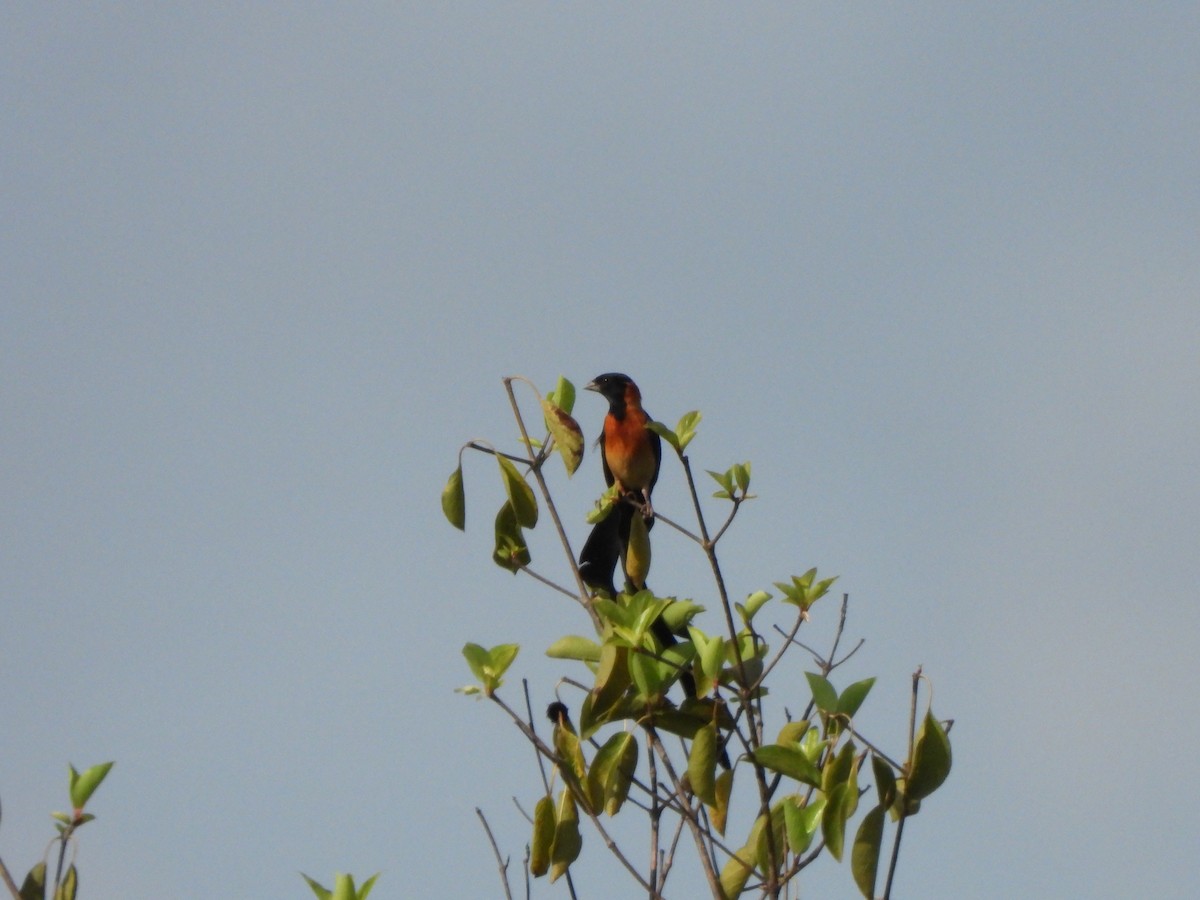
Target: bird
631 456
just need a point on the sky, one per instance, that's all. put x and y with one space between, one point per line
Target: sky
933 269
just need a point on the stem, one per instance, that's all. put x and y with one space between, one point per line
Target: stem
689 815
912 736
655 816
501 863
12 887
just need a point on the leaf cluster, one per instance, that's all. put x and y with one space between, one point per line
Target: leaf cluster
802 789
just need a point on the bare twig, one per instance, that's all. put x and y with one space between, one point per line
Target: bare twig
533 729
912 736
655 816
501 863
699 834
8 881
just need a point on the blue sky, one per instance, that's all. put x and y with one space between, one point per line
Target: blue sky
933 269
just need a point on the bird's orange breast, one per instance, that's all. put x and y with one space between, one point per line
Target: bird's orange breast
628 450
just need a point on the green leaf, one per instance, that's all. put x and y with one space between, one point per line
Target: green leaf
718 814
686 429
931 759
83 786
679 614
737 871
69 886
570 755
843 801
702 764
650 676
502 656
511 550
823 693
792 732
802 592
367 885
567 840
864 855
489 666
802 821
666 434
741 475
612 681
563 395
788 761
839 768
34 885
725 480
853 696
568 438
454 500
543 837
754 602
711 652
885 781
478 659
574 647
343 887
611 774
637 552
520 494
833 823
776 835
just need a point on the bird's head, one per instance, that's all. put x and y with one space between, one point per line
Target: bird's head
614 387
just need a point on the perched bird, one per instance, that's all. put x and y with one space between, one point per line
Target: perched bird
631 455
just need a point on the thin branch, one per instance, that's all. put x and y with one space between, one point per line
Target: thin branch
484 447
873 748
546 581
699 834
8 881
737 502
533 729
655 816
673 524
501 863
912 736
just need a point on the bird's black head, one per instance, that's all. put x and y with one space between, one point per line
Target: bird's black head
610 385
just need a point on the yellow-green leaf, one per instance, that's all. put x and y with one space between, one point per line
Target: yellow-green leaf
864 855
69 886
637 553
567 840
802 820
543 837
718 813
702 764
737 871
454 500
568 438
931 759
520 494
34 885
788 761
833 823
573 646
511 551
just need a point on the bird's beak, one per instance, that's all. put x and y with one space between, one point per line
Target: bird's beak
592 386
